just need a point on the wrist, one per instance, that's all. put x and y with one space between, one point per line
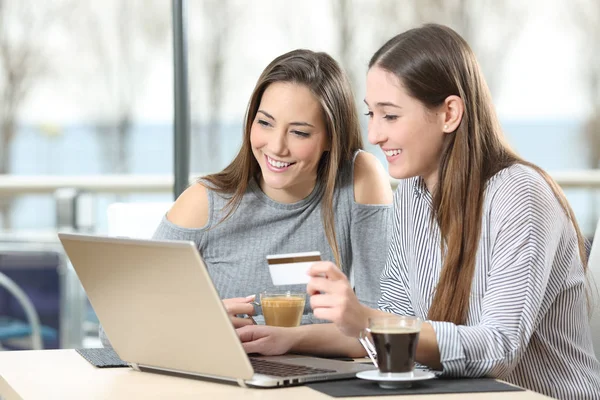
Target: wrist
296 337
363 322
369 313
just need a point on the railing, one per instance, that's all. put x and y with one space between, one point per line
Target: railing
71 194
14 185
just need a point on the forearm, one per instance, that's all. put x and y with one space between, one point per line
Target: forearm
325 339
428 352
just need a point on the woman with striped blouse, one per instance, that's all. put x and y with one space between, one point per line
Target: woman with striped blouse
485 246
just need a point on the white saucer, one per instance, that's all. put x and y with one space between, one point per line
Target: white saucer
395 380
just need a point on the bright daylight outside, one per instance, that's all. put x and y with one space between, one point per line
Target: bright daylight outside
88 132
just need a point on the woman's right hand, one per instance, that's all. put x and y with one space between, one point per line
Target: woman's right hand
332 299
237 306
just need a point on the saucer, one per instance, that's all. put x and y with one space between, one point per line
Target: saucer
395 380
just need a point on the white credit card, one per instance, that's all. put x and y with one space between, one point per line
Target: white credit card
292 268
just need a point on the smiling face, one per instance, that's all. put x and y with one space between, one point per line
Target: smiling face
410 135
288 138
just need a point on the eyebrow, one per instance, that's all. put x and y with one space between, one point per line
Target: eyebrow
291 123
384 104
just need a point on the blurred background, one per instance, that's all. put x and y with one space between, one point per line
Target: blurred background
86 111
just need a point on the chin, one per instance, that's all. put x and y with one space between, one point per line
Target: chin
275 183
400 173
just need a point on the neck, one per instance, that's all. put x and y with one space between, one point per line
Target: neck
289 195
431 180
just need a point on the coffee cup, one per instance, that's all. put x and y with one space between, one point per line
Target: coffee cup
283 308
395 340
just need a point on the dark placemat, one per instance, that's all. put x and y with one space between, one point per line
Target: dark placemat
102 358
360 387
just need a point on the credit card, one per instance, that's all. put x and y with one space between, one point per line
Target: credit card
292 268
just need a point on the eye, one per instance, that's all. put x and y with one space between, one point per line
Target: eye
390 117
301 134
369 114
263 122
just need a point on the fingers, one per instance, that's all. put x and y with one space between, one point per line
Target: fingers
247 299
239 305
323 301
327 313
326 269
324 285
247 332
239 308
260 339
251 333
240 322
256 346
318 285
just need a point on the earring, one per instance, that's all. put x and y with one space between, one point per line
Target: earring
445 127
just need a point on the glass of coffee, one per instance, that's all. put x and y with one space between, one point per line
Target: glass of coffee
283 308
395 340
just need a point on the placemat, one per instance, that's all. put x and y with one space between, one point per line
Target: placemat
360 387
102 358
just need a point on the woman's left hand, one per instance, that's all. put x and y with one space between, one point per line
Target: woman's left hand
332 299
266 340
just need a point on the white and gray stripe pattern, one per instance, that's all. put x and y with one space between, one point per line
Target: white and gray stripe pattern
528 315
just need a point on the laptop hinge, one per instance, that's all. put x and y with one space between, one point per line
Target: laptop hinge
144 368
135 366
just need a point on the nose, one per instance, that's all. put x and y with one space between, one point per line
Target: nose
374 133
278 143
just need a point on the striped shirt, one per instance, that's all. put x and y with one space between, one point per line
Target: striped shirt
528 315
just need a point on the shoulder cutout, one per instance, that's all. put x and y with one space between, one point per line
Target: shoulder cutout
191 208
371 181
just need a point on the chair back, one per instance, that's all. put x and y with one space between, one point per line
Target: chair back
32 316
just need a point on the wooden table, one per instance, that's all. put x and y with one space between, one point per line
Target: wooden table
64 374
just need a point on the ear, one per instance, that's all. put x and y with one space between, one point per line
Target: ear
452 112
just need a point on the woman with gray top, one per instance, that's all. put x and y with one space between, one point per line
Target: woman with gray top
300 182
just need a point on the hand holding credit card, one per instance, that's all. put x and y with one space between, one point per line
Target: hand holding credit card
292 268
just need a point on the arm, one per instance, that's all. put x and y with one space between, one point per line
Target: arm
370 226
321 339
528 226
327 339
332 299
394 278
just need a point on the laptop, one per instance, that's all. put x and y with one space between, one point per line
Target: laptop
162 313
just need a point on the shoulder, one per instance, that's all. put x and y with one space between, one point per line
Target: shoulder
519 180
191 209
522 187
371 181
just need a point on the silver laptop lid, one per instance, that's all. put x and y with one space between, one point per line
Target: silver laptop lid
165 288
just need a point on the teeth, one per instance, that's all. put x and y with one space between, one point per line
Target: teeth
277 164
391 153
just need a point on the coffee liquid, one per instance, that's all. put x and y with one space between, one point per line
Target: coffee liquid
396 348
283 311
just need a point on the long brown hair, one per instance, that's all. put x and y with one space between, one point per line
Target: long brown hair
322 75
434 62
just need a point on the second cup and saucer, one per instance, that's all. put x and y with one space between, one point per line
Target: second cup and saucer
392 380
392 347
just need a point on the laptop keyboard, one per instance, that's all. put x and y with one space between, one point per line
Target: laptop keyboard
275 368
